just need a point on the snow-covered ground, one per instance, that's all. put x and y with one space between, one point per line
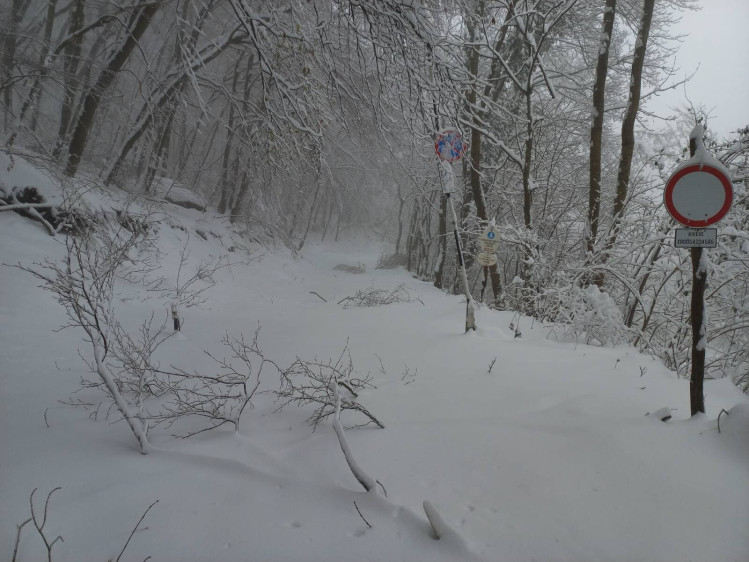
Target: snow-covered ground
531 447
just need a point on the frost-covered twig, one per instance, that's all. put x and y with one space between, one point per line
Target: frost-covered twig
378 297
221 397
83 284
367 482
191 284
132 363
442 530
308 382
438 524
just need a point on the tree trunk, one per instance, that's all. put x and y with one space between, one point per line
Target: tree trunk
157 160
223 203
138 24
159 98
317 168
476 135
628 125
401 206
70 63
527 187
442 241
596 129
35 96
241 192
11 32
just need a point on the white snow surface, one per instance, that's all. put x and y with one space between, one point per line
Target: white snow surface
702 156
548 456
169 190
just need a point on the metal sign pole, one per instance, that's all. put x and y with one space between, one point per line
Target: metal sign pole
449 148
449 187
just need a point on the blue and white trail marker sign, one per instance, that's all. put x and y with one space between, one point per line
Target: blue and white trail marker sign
489 240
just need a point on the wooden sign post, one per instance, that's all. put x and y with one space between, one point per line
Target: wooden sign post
698 194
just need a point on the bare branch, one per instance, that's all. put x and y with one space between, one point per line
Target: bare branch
127 542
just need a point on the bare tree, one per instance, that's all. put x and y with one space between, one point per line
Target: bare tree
596 128
83 284
630 116
139 21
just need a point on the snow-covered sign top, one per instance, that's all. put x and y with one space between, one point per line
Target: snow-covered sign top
450 146
699 192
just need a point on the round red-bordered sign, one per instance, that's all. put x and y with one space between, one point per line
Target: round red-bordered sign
450 146
698 196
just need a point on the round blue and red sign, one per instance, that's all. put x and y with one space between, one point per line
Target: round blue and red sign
450 146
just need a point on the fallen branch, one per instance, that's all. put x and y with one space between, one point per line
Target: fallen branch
367 482
23 206
379 297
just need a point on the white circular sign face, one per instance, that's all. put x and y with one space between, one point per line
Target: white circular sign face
698 196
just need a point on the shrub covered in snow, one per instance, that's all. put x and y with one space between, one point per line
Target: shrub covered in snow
587 313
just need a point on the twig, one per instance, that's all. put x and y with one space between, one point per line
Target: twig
360 515
384 491
378 297
407 374
491 365
309 383
314 293
348 387
382 366
18 538
135 529
721 413
38 524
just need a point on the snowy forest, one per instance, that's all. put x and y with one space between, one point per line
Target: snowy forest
284 125
298 119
